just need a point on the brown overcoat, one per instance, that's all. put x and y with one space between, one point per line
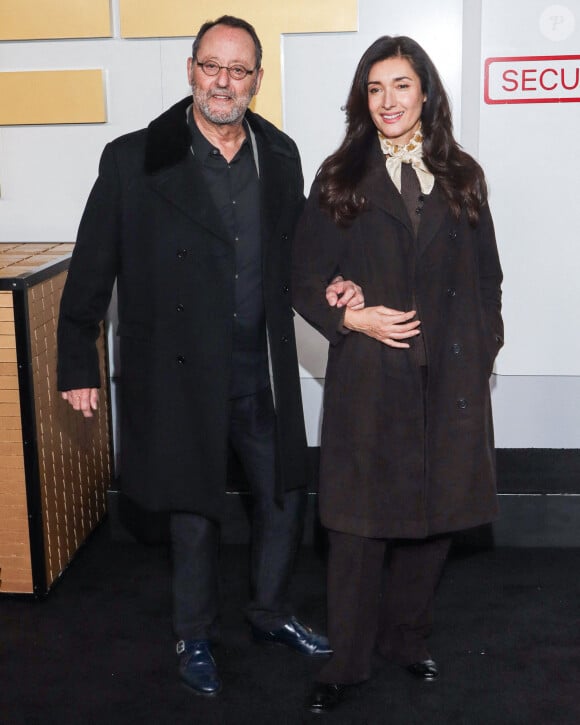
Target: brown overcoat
395 463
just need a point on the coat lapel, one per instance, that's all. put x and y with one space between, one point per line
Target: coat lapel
183 186
271 187
435 211
173 172
379 189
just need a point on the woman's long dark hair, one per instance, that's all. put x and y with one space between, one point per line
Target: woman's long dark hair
458 174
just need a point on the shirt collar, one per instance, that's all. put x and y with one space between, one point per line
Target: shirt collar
200 146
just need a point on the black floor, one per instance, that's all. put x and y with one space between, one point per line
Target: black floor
99 649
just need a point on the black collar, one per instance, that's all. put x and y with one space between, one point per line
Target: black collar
169 138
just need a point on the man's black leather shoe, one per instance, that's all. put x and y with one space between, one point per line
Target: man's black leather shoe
425 670
325 696
295 635
197 667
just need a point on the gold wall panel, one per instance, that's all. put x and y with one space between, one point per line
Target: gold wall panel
175 18
49 97
46 19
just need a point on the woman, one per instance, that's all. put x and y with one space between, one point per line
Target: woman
407 452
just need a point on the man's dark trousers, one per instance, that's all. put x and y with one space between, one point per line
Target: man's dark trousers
276 533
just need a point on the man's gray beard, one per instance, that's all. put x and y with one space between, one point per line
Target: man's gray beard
234 115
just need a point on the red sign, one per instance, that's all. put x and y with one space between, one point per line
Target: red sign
533 79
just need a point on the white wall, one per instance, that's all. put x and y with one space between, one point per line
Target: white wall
529 152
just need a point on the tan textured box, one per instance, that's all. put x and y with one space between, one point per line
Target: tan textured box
55 466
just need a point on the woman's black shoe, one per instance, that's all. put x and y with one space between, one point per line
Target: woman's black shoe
425 670
325 696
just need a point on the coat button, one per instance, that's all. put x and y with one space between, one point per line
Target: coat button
284 338
179 308
456 348
462 403
180 360
453 234
284 237
285 289
181 254
451 292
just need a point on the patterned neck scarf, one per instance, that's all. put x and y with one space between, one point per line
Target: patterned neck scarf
411 153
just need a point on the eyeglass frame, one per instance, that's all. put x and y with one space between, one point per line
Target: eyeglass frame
226 67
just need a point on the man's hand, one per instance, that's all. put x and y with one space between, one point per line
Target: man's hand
383 324
344 293
84 399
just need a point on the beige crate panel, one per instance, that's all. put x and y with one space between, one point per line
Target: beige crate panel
73 452
15 561
17 259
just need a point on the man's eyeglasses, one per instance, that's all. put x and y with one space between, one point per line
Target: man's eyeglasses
237 72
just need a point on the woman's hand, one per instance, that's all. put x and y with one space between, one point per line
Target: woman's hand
84 399
344 293
383 324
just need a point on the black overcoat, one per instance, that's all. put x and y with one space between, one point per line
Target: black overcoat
394 464
150 224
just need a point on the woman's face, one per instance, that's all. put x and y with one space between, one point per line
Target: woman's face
395 99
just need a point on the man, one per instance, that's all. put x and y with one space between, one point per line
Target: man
193 217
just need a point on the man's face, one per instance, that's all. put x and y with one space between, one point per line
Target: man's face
220 99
